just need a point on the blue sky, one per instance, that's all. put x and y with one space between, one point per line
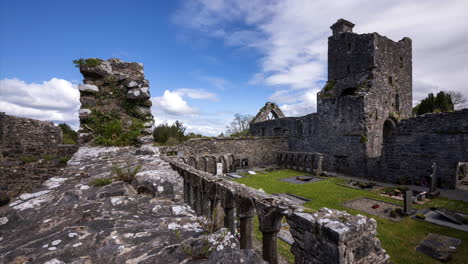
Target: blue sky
209 59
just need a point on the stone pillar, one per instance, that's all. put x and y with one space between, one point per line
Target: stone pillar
408 202
198 199
186 187
433 178
230 213
319 169
246 213
205 201
190 193
270 225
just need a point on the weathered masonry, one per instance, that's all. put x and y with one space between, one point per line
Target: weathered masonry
31 152
233 153
359 114
327 236
114 91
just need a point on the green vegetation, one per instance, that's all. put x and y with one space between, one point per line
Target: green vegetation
109 130
126 174
91 62
64 159
101 182
327 88
441 103
48 157
398 239
28 158
363 139
69 136
170 135
243 133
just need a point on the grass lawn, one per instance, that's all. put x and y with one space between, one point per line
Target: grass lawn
398 239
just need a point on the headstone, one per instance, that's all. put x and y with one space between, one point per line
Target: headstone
219 169
454 217
408 202
252 172
439 247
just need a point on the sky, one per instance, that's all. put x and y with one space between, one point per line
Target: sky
207 60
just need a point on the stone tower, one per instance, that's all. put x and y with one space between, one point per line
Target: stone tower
115 103
369 89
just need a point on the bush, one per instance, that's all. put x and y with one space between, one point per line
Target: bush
91 62
172 141
126 174
48 157
101 182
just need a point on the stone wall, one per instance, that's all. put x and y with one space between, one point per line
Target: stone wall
327 236
369 89
204 153
414 144
113 90
30 153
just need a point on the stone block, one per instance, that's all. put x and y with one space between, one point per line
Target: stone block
88 88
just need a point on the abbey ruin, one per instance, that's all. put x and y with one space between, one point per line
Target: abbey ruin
120 199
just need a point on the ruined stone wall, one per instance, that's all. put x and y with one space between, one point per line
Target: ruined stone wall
114 91
205 152
326 236
30 153
416 143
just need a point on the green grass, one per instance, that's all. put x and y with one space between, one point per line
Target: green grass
28 158
398 239
101 182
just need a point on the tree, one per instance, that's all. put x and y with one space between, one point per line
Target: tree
440 103
458 99
164 132
239 125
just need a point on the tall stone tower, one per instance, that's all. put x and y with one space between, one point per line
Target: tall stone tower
369 89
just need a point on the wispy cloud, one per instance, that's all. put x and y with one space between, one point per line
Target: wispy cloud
291 37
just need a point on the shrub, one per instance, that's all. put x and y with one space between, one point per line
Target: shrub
101 182
126 174
91 62
363 139
172 141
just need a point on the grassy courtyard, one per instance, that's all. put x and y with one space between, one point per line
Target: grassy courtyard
398 239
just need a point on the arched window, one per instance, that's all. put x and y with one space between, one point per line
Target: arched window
390 80
272 115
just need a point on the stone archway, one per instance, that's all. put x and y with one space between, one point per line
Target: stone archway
211 164
192 161
388 127
201 164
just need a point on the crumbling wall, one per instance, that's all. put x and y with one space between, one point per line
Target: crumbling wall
416 143
257 151
30 153
115 103
269 111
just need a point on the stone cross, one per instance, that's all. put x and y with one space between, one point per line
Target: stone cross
433 178
219 169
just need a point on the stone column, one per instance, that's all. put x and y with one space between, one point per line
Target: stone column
270 225
186 187
408 202
205 204
246 213
230 212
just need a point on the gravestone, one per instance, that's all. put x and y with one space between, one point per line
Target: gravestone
219 169
439 247
454 217
408 202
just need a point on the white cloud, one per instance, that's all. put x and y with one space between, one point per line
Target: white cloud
197 94
54 100
292 36
172 103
